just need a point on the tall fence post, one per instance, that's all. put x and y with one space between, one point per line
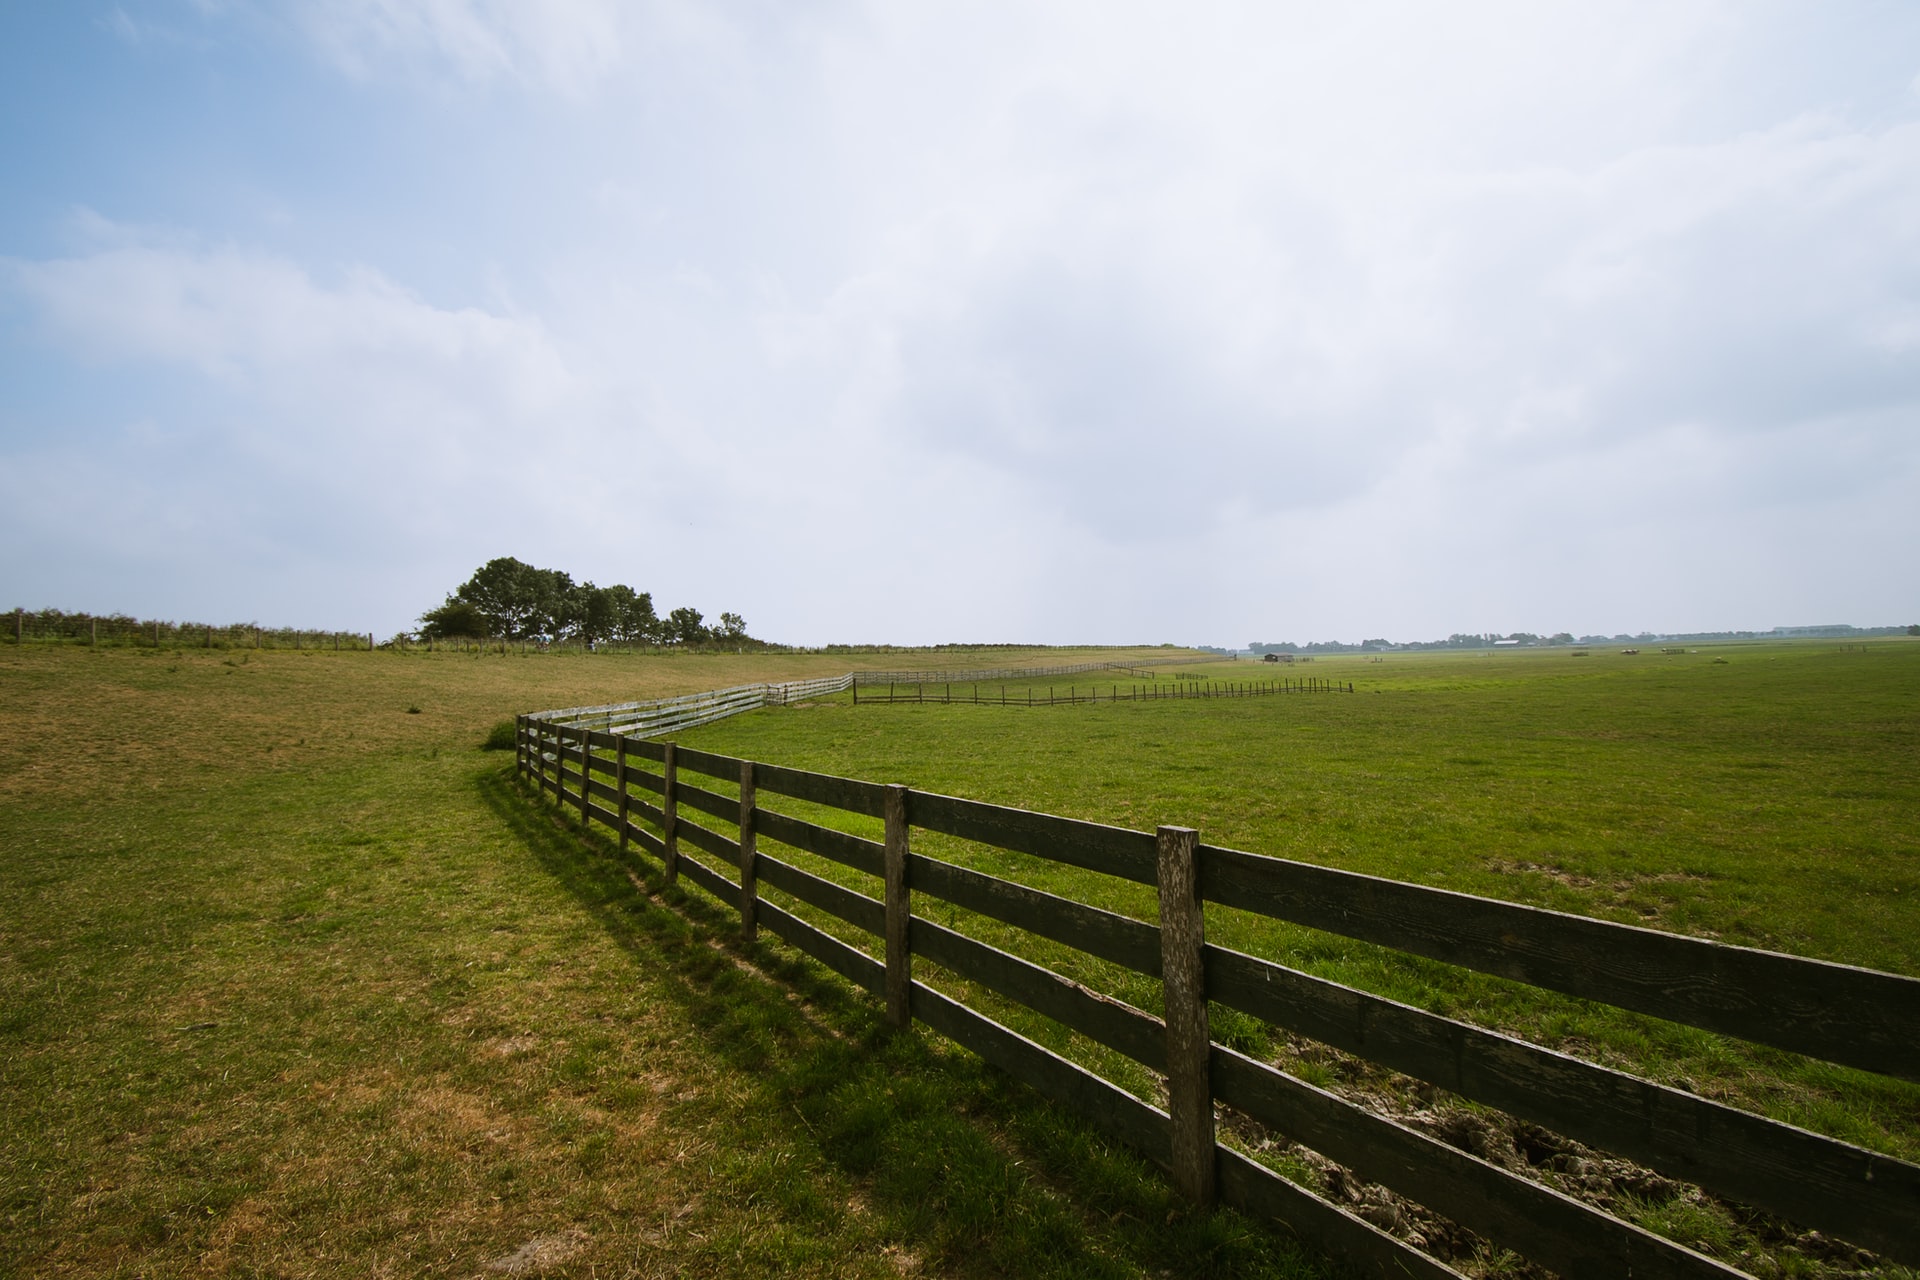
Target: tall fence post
670 816
520 746
749 857
586 767
620 781
1189 1045
899 909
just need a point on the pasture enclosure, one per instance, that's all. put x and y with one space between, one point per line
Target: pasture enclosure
1857 1017
655 716
941 692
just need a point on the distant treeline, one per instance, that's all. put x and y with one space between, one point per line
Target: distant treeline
1490 640
508 599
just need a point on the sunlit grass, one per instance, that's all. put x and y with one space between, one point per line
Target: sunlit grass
296 982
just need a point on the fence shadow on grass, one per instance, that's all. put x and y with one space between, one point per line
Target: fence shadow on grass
963 1163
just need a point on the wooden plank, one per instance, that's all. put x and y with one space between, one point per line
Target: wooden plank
605 817
648 780
604 791
1847 1191
850 963
1554 1230
1259 1192
708 802
1119 1026
1189 1045
850 851
899 908
655 751
868 798
604 741
647 840
710 841
1106 1106
1118 938
714 766
1859 1017
857 909
1114 851
652 813
709 879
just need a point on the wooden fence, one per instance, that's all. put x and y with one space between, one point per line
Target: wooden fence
1857 1017
653 717
1139 667
1030 696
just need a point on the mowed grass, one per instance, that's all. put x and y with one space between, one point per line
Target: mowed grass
1759 794
295 980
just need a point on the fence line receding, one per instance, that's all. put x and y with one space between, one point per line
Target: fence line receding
655 716
1861 1018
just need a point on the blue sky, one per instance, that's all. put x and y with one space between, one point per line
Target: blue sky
1039 322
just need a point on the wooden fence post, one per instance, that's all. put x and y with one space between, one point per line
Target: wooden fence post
749 870
586 763
620 781
520 746
899 909
670 816
1189 1094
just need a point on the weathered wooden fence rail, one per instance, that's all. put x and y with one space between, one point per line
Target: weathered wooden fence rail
1032 696
1857 1017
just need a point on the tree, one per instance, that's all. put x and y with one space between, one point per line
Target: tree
732 627
632 611
590 611
515 597
683 626
455 618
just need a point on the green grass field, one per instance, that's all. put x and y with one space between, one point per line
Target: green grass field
295 980
1758 794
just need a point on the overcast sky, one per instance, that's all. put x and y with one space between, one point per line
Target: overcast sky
918 322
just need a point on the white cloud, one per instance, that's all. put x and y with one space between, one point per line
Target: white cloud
558 45
1266 319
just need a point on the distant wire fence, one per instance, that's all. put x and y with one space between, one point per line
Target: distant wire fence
652 717
1026 673
124 631
1029 696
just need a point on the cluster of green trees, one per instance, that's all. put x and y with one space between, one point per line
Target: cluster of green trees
508 599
